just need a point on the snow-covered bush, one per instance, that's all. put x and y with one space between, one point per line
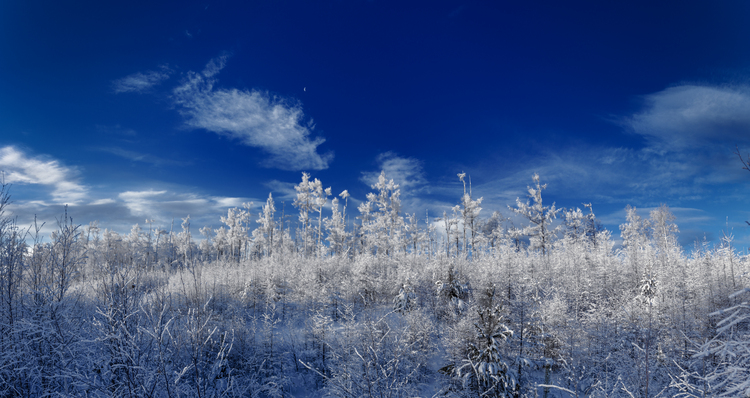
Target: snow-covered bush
406 299
482 366
453 293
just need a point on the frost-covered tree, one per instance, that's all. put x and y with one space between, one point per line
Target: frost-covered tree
636 234
311 197
237 222
264 235
450 225
575 223
12 248
320 202
540 230
336 225
470 210
304 203
67 255
492 228
185 241
220 242
485 368
206 245
580 226
382 222
414 236
664 233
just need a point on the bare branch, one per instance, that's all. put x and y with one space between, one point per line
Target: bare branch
745 163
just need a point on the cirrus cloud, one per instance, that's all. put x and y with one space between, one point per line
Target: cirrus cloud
256 118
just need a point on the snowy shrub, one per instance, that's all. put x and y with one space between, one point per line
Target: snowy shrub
453 293
484 368
406 299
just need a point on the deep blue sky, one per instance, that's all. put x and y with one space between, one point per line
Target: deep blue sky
134 110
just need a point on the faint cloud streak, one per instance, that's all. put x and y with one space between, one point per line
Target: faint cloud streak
140 82
141 157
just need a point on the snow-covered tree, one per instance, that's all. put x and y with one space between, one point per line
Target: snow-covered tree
540 230
311 197
635 233
414 236
492 228
450 224
470 210
383 227
185 241
485 368
220 242
206 245
336 225
12 248
237 222
264 235
664 232
67 255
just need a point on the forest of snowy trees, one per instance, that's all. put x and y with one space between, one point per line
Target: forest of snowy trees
372 302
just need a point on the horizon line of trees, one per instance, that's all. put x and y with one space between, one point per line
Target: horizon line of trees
379 229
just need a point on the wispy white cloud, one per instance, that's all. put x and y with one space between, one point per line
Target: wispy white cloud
163 204
141 82
141 202
31 176
19 168
682 117
256 118
602 175
228 202
690 132
122 210
102 202
408 173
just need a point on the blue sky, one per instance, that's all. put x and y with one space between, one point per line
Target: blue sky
141 109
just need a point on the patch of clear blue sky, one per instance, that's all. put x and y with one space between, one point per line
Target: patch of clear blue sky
588 94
